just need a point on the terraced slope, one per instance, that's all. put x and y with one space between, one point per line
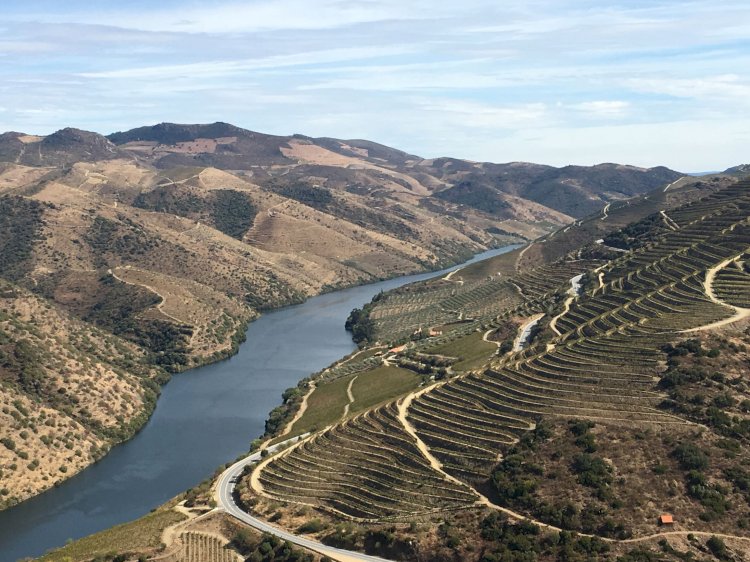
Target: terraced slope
732 283
194 546
464 297
368 468
604 365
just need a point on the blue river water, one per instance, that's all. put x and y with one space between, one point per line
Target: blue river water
205 417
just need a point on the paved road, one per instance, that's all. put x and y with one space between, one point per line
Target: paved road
522 339
225 497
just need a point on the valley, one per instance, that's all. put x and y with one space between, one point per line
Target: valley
168 240
374 281
440 439
132 257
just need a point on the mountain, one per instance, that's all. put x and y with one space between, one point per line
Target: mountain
491 188
574 190
163 242
63 147
69 391
565 406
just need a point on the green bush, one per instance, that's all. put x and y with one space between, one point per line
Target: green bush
717 547
690 457
312 526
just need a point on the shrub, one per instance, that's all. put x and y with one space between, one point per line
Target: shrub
244 541
717 547
592 471
690 457
312 526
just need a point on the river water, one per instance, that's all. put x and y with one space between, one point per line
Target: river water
204 418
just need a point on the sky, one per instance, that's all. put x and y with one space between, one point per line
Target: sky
549 81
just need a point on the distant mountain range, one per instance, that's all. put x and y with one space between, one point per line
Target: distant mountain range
490 188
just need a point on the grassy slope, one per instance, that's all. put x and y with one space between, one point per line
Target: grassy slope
380 385
473 352
143 533
326 404
324 407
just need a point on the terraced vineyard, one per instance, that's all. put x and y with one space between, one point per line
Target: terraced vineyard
732 284
440 302
434 449
368 468
194 546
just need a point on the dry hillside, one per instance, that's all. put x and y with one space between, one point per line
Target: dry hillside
165 241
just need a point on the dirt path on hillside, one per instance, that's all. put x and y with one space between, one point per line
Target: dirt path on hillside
671 184
486 337
575 287
297 416
170 534
668 221
565 310
350 396
678 533
452 273
403 408
739 313
160 306
520 255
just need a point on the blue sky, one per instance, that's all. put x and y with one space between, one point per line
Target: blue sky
548 81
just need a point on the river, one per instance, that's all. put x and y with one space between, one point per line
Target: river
205 417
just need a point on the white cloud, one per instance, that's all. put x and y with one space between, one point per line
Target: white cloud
481 79
603 108
236 17
710 88
214 68
484 116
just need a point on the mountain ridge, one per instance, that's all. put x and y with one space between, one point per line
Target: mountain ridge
574 190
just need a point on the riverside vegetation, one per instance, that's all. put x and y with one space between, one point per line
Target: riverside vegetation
445 439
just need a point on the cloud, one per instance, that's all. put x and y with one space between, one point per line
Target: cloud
603 108
539 80
477 115
711 88
236 17
231 67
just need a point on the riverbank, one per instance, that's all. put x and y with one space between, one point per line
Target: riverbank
203 418
24 481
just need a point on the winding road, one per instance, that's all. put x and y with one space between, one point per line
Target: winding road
573 292
522 339
226 503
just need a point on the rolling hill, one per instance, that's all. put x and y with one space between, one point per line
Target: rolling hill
624 396
553 403
167 240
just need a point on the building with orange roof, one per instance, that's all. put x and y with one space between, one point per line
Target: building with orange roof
666 519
